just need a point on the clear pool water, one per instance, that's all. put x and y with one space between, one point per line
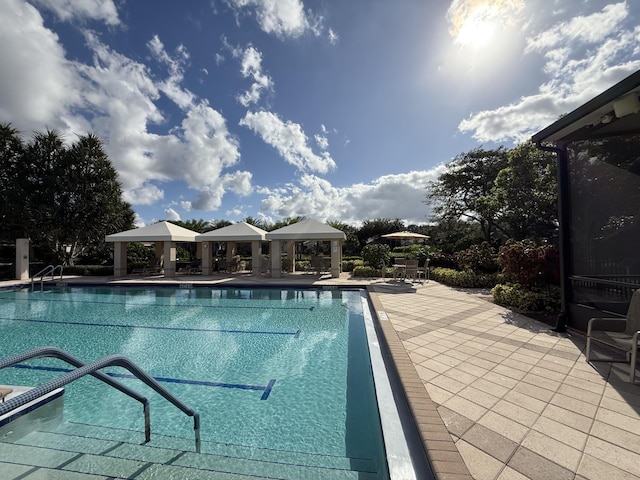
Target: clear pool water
280 369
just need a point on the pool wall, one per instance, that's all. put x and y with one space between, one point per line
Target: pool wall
42 414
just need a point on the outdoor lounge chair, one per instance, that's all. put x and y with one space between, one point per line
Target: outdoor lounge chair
618 333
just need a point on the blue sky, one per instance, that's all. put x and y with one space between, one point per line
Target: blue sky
333 109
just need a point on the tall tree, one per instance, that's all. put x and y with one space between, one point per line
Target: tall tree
66 199
524 197
200 226
371 230
460 192
11 200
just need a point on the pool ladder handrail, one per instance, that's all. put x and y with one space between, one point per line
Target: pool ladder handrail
83 369
48 270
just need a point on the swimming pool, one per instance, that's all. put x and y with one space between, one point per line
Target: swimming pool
285 370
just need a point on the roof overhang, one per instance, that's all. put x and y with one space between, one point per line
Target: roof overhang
615 111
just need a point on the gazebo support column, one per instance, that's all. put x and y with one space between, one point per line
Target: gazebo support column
255 258
206 258
169 259
336 258
22 258
291 255
119 259
276 259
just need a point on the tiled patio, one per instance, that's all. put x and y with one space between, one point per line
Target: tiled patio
517 400
496 395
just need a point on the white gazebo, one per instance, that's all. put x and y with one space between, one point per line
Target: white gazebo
163 234
308 229
241 232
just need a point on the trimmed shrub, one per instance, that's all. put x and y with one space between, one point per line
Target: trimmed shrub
349 265
527 299
467 279
366 272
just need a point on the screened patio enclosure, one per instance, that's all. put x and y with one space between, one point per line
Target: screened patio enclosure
598 149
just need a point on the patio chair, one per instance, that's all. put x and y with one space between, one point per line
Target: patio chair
424 271
156 269
618 333
399 267
411 270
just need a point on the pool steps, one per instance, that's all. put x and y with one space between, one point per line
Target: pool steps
76 450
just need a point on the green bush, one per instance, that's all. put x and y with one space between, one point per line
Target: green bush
528 263
349 265
366 272
479 258
375 254
527 299
467 279
97 270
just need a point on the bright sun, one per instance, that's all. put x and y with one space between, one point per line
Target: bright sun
476 32
477 28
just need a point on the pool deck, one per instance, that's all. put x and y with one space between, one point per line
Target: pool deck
495 394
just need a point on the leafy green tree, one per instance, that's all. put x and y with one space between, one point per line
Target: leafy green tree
200 226
285 222
459 193
66 199
450 236
256 222
372 230
11 199
524 197
216 224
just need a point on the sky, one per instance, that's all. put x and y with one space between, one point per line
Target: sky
331 109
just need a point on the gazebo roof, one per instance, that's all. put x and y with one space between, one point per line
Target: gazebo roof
238 232
308 229
157 232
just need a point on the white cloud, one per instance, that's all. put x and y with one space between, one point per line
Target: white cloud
78 10
584 56
36 83
171 214
322 141
186 205
289 140
333 37
283 18
146 194
252 67
589 29
171 87
391 196
116 97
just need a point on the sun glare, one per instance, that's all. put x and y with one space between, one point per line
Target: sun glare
476 32
478 23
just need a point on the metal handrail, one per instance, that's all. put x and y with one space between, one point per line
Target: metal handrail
55 352
90 369
48 270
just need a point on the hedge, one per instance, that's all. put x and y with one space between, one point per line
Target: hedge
466 279
527 299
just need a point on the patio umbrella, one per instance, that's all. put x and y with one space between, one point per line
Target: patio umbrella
406 235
